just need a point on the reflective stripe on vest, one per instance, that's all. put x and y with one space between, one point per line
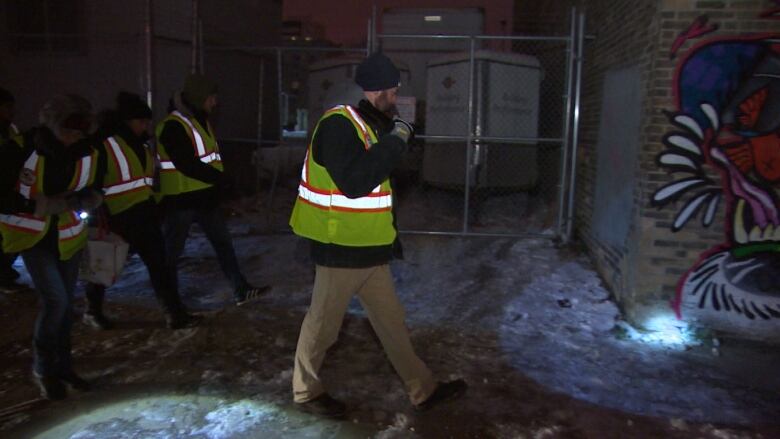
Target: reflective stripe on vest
128 186
121 159
83 170
197 140
31 164
127 183
197 143
71 229
24 222
14 130
208 158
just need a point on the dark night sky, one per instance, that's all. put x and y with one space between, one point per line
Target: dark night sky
346 23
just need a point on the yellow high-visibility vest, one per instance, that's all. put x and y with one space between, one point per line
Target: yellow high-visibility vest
324 214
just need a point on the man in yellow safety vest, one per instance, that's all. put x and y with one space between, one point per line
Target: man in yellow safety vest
345 209
191 177
125 175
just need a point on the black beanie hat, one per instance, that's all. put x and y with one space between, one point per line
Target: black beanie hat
377 73
131 106
197 88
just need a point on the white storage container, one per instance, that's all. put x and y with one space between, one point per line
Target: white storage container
506 105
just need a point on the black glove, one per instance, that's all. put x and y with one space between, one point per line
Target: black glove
402 129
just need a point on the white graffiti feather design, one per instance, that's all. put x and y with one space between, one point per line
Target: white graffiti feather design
684 155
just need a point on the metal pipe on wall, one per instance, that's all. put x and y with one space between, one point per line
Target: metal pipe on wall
259 139
374 42
280 92
469 141
369 30
562 180
576 125
200 46
194 60
148 36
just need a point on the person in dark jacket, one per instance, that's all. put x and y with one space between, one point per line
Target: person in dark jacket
45 184
191 178
345 208
125 172
8 131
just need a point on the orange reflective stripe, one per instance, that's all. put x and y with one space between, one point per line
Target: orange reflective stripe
377 200
71 229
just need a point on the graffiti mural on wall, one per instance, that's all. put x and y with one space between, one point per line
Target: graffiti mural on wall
724 152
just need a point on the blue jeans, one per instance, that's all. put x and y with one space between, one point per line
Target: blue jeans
55 281
176 228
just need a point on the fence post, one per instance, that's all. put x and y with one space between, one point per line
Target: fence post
470 137
566 145
195 13
576 125
148 36
280 92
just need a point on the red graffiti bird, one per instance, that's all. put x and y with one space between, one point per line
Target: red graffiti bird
760 153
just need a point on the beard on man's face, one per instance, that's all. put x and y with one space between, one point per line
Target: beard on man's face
384 105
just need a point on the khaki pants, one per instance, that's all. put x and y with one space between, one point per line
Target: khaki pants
333 289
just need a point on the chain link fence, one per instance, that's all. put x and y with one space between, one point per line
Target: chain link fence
493 118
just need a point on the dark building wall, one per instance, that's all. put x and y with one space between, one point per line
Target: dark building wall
649 73
111 55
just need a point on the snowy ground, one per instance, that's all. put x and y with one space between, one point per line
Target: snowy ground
529 326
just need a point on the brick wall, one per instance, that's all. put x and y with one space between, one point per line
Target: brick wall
625 35
644 272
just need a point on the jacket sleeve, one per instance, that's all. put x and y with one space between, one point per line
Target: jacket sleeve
12 201
355 170
178 145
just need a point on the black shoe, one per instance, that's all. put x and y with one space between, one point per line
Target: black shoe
250 294
324 405
50 386
443 392
182 320
75 382
97 321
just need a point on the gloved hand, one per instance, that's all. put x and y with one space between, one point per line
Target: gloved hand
84 200
402 129
45 205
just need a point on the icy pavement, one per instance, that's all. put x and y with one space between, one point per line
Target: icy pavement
529 326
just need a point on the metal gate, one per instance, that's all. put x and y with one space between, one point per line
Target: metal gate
496 117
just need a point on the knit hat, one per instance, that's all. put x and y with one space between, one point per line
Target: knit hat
377 72
67 111
131 106
197 88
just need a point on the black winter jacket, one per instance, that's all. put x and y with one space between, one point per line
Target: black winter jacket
178 145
